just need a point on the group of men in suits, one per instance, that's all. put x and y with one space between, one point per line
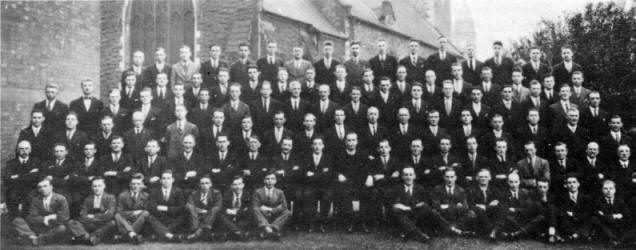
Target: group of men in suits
378 142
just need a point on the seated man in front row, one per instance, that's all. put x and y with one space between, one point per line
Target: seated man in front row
166 204
270 208
96 215
204 206
47 217
131 210
237 215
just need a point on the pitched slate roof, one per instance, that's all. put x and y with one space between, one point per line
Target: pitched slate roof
303 11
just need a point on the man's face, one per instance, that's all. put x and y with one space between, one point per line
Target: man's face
414 47
355 50
594 100
205 184
136 185
535 90
297 52
237 185
486 75
184 54
244 52
309 122
138 59
327 51
283 76
87 87
222 143
433 118
497 49
317 146
152 148
382 47
114 97
373 115
566 54
577 79
253 74
45 188
166 180
180 112
444 146
37 118
501 148
341 73
356 95
506 93
286 146
60 152
145 97
270 180
517 77
472 145
457 72
162 80
475 96
107 125
71 122
592 150
448 89
204 96
573 117
215 51
466 117
561 152
384 148
178 90
548 83
188 144
443 42
160 56
130 81
279 120
254 145
449 178
401 73
218 118
403 116
295 89
416 92
530 150
430 77
385 85
323 92
533 117
609 190
310 74
535 55
572 184
116 145
351 141
616 124
543 187
24 149
513 182
339 116
266 90
408 175
624 153
416 147
235 92
50 93
223 77
483 178
470 52
98 187
138 121
247 124
497 123
271 49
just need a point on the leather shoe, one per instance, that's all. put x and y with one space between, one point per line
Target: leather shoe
322 228
93 240
35 241
422 237
311 228
493 236
365 229
274 236
552 239
262 235
350 228
191 238
402 236
138 239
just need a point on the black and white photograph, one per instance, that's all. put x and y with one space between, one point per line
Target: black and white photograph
317 124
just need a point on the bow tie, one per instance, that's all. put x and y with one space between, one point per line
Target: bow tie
86 97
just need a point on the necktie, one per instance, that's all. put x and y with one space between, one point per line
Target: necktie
236 203
323 107
408 190
594 112
372 130
165 195
50 106
266 105
214 64
137 131
204 199
222 156
609 201
96 202
414 61
295 105
252 156
129 92
514 195
46 204
497 60
161 93
617 137
135 195
534 130
485 196
69 135
384 160
340 133
180 127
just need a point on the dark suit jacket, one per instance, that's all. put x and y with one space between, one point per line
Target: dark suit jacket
476 197
576 141
524 134
332 142
40 144
581 210
135 143
102 144
269 140
264 119
249 94
201 117
558 115
386 68
56 117
295 118
531 74
441 67
492 96
596 125
418 195
155 120
214 200
470 168
521 204
163 103
371 141
277 201
126 204
376 166
104 213
207 139
293 171
132 102
554 95
209 74
122 119
238 71
502 73
140 77
559 172
233 116
610 145
152 170
356 120
246 202
88 119
151 72
58 205
562 75
414 72
175 203
604 211
221 172
439 197
403 96
449 120
58 172
269 72
338 95
481 120
512 117
24 180
180 166
257 167
355 70
325 75
324 120
471 75
388 109
323 173
75 145
217 98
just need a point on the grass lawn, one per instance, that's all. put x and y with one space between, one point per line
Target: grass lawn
295 241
